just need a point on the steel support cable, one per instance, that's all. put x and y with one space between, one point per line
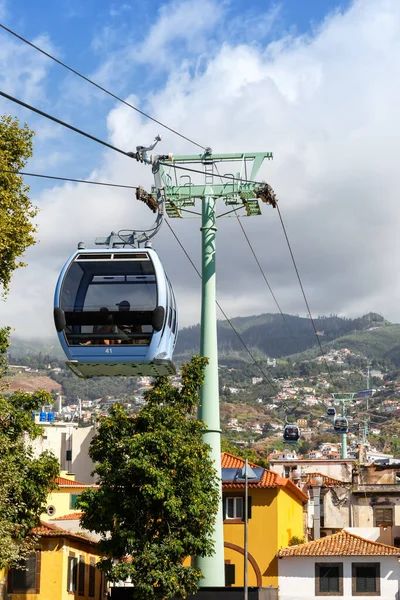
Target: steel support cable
98 86
304 294
268 284
115 185
267 378
152 230
64 124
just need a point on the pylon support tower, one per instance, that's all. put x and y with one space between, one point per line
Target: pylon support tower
176 192
343 399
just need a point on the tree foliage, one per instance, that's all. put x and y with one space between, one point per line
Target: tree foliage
16 210
25 480
158 492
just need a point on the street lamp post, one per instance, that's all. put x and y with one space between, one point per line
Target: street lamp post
246 473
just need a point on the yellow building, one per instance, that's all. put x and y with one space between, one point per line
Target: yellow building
61 502
63 567
275 517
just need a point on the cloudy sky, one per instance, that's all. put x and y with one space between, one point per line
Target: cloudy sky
315 82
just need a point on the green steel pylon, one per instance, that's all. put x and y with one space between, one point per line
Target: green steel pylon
343 399
177 192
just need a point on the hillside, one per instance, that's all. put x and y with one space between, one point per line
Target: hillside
271 337
379 343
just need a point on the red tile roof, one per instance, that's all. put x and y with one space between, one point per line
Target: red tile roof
327 481
49 530
64 482
268 479
342 543
71 517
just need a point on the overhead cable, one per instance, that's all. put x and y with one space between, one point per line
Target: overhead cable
268 284
304 294
64 124
100 87
267 378
116 185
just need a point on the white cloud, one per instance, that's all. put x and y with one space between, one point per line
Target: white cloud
327 106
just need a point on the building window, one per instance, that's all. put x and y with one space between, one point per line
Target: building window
234 508
92 576
366 579
26 579
72 573
73 499
51 511
383 517
329 579
81 576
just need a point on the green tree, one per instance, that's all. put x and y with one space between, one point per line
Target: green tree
158 494
25 480
16 210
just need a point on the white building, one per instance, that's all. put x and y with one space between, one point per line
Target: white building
342 565
70 445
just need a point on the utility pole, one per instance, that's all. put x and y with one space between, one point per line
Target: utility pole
367 388
177 194
343 400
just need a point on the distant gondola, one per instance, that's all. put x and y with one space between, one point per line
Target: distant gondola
291 433
331 412
341 425
115 313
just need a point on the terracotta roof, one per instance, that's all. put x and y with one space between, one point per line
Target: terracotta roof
64 482
268 479
49 530
229 461
328 481
71 517
342 543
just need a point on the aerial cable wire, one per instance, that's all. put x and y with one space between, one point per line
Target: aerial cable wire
64 124
304 294
268 284
267 378
69 179
98 86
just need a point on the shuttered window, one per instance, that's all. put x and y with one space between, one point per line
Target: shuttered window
27 578
72 573
73 499
81 576
92 576
329 579
366 579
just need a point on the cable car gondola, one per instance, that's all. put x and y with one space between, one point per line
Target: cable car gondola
331 412
291 433
341 425
115 313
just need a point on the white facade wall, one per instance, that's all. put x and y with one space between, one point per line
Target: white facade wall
297 576
60 437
